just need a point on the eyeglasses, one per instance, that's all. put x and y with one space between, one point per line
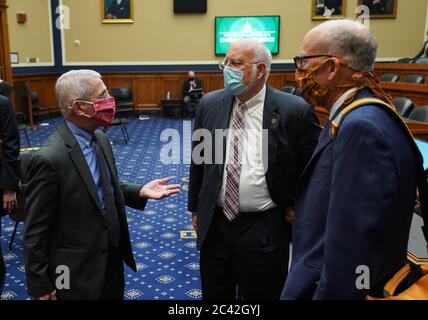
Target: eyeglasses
300 60
234 63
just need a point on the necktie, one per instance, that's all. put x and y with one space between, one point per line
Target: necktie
110 205
233 167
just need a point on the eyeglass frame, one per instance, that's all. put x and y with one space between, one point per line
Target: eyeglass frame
238 63
300 59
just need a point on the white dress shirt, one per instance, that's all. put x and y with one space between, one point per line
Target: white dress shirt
340 101
253 191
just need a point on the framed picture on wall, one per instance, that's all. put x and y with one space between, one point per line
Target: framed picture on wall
117 11
328 9
380 9
14 58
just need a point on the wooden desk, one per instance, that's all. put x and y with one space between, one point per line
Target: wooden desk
171 107
418 129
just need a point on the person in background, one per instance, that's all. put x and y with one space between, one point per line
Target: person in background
75 213
118 9
241 195
5 88
376 7
9 166
192 94
357 194
332 7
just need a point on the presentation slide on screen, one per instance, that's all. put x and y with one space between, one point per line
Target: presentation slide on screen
263 28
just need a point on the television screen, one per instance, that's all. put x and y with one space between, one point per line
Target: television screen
189 6
230 29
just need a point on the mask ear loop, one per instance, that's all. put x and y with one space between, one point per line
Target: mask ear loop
374 84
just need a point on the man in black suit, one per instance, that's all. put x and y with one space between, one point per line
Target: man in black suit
9 166
76 234
192 94
239 209
119 9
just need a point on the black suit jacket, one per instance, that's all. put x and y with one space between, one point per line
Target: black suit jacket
65 224
293 131
10 164
186 86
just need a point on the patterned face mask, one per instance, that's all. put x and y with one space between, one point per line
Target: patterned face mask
104 110
312 91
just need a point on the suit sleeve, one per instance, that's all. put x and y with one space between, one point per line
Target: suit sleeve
363 189
131 193
41 204
196 170
10 165
309 134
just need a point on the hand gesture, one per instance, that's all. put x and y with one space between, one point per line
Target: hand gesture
157 189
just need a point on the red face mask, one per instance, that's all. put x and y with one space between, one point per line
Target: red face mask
104 110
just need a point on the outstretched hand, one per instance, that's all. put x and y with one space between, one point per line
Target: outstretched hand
157 189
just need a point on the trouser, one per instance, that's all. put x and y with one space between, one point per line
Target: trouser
248 256
189 105
114 280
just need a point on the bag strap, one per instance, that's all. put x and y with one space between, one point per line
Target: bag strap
392 285
421 179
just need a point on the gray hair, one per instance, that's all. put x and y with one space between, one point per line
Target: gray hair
261 52
350 40
74 85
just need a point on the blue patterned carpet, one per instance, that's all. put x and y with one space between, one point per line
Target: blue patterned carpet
163 241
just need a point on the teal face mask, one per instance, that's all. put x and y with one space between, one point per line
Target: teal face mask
233 81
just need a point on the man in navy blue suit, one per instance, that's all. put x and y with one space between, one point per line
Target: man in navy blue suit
356 196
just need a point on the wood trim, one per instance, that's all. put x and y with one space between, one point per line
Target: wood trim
5 66
150 88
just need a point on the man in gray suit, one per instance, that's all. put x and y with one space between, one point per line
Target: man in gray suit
76 234
239 204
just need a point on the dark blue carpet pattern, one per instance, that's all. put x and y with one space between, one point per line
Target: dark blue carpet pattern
162 235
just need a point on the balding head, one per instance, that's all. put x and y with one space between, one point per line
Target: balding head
256 49
191 74
347 39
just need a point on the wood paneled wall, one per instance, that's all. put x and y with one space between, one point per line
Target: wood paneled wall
402 70
150 88
5 68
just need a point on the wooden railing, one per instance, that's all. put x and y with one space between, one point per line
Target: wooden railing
149 88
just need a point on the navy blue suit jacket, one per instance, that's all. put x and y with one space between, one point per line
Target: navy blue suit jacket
355 205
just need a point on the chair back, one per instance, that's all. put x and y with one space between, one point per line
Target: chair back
419 114
389 77
414 78
403 105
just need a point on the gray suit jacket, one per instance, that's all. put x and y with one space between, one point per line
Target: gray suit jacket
65 224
